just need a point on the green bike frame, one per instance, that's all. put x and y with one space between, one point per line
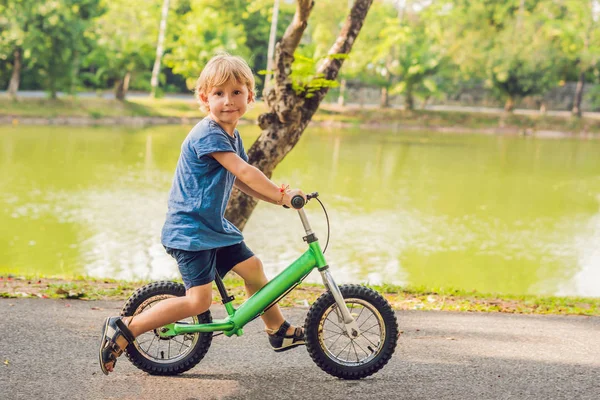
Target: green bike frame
271 293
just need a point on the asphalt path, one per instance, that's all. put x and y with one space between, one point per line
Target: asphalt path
48 350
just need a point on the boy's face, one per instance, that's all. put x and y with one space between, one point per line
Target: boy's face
227 103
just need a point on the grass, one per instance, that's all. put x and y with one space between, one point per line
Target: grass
400 297
96 108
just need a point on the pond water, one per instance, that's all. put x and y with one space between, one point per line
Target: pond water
515 215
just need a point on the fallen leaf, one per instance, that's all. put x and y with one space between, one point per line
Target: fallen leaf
75 295
97 308
6 362
67 305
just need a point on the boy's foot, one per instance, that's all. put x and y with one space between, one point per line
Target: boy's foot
113 331
282 340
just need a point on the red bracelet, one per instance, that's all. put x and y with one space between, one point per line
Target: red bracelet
282 190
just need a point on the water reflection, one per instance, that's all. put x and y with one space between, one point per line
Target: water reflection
586 281
512 215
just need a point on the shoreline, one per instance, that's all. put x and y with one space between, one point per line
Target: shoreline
141 121
143 111
401 298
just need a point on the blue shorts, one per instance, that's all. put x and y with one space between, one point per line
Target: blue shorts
200 267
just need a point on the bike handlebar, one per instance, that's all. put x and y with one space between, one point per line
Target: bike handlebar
298 201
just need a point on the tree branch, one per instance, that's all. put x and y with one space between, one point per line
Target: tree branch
281 98
346 38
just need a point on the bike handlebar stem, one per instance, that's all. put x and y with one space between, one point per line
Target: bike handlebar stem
305 223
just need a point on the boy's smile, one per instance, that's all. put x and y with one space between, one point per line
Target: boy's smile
227 103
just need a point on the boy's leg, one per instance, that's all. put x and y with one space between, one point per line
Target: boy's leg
196 301
251 271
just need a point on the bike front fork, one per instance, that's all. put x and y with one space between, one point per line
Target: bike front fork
342 312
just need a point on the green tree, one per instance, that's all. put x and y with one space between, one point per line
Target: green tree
290 109
203 31
410 57
15 18
125 40
58 38
501 42
363 65
575 24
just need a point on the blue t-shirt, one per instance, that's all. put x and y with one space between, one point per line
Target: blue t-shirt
200 192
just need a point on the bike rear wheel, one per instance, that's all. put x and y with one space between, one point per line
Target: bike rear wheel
159 355
334 351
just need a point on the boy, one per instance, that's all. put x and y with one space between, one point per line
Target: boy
196 233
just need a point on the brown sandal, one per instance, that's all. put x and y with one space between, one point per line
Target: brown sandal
114 327
282 342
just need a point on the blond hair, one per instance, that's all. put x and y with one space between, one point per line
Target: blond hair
220 69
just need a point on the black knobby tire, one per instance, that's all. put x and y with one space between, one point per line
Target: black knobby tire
377 352
153 361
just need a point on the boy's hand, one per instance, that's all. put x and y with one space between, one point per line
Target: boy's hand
289 194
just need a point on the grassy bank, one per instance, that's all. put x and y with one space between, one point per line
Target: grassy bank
96 108
401 298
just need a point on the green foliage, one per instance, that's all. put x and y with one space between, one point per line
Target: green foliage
416 48
57 40
15 19
500 43
125 39
208 28
305 80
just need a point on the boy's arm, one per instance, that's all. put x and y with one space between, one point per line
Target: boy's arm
250 192
254 179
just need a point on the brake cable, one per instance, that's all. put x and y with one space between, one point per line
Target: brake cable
327 218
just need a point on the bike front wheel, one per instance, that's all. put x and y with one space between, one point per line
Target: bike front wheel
160 355
334 351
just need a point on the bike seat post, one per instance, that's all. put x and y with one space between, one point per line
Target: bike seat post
227 299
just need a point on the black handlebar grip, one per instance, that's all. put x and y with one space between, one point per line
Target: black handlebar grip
297 202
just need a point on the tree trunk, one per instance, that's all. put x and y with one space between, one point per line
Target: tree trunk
15 78
509 106
74 73
290 113
384 100
425 102
409 99
159 47
271 48
576 111
123 87
341 98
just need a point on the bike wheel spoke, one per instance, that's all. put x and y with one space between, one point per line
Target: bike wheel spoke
364 351
342 350
334 324
141 343
182 343
338 332
361 311
332 336
366 320
367 330
355 353
349 351
369 340
150 345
